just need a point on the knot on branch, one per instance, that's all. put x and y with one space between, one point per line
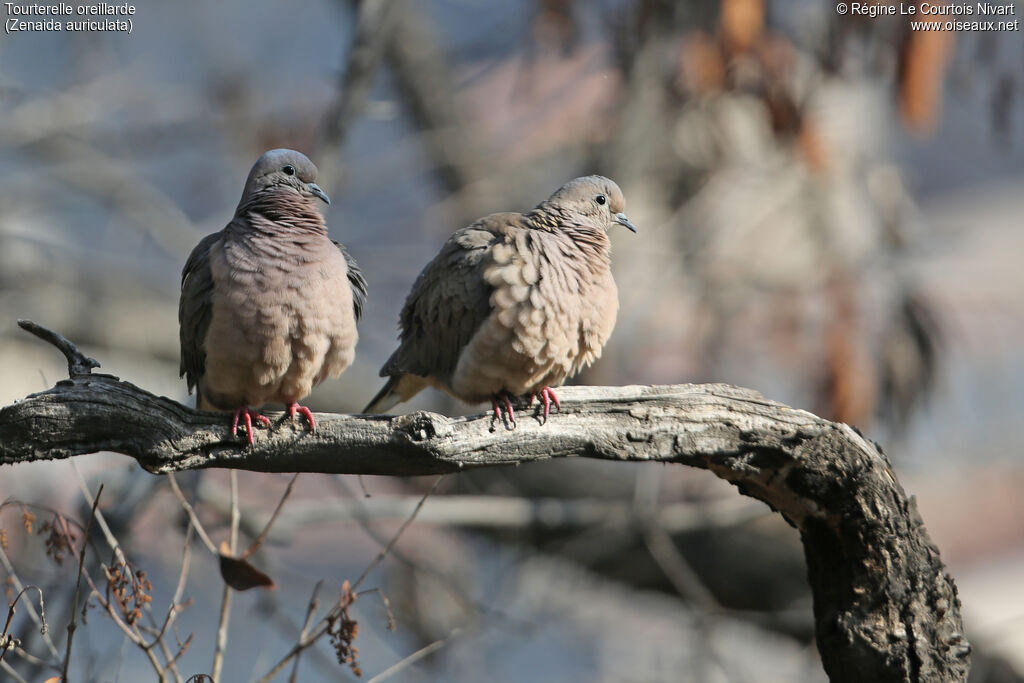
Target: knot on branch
419 426
78 363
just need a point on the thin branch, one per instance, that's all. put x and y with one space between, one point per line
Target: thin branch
425 651
6 641
394 539
7 669
374 26
39 620
133 634
225 604
383 601
100 519
35 661
78 363
172 611
678 571
235 514
130 633
450 583
255 545
690 586
193 518
78 582
120 557
182 647
314 603
321 627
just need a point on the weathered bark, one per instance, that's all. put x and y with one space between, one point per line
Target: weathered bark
885 610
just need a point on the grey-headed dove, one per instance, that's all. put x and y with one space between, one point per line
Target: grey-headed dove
269 304
513 304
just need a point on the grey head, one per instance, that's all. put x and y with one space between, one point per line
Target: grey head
595 197
282 169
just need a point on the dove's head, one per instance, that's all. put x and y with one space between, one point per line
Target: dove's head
595 197
282 169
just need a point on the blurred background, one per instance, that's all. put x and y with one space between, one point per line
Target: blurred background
829 211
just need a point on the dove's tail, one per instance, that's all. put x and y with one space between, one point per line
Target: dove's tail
399 389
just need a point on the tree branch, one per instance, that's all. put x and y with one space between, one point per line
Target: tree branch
884 607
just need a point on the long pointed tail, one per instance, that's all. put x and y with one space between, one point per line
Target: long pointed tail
399 388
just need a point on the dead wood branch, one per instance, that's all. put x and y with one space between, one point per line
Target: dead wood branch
885 610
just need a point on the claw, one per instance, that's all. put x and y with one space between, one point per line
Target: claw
547 397
248 414
511 410
294 408
502 406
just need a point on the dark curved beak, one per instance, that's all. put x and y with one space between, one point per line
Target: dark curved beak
621 219
317 192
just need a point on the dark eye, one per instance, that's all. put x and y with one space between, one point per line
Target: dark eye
289 170
601 199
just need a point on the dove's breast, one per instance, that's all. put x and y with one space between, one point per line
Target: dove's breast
554 305
282 320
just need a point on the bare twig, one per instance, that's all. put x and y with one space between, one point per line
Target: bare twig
235 514
678 570
100 519
78 363
35 661
425 651
7 669
128 631
175 607
172 662
6 641
448 582
78 582
193 518
394 539
690 586
374 26
423 81
121 558
322 626
225 605
255 545
39 618
384 602
131 631
314 603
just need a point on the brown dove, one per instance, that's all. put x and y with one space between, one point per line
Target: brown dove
269 304
512 305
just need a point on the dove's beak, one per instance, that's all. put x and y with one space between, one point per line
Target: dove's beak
317 192
621 219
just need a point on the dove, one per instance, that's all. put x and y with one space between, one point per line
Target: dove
512 305
269 304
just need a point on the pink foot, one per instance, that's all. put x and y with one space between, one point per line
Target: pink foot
502 406
547 397
294 408
247 414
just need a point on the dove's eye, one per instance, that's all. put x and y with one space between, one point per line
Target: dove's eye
289 170
601 199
